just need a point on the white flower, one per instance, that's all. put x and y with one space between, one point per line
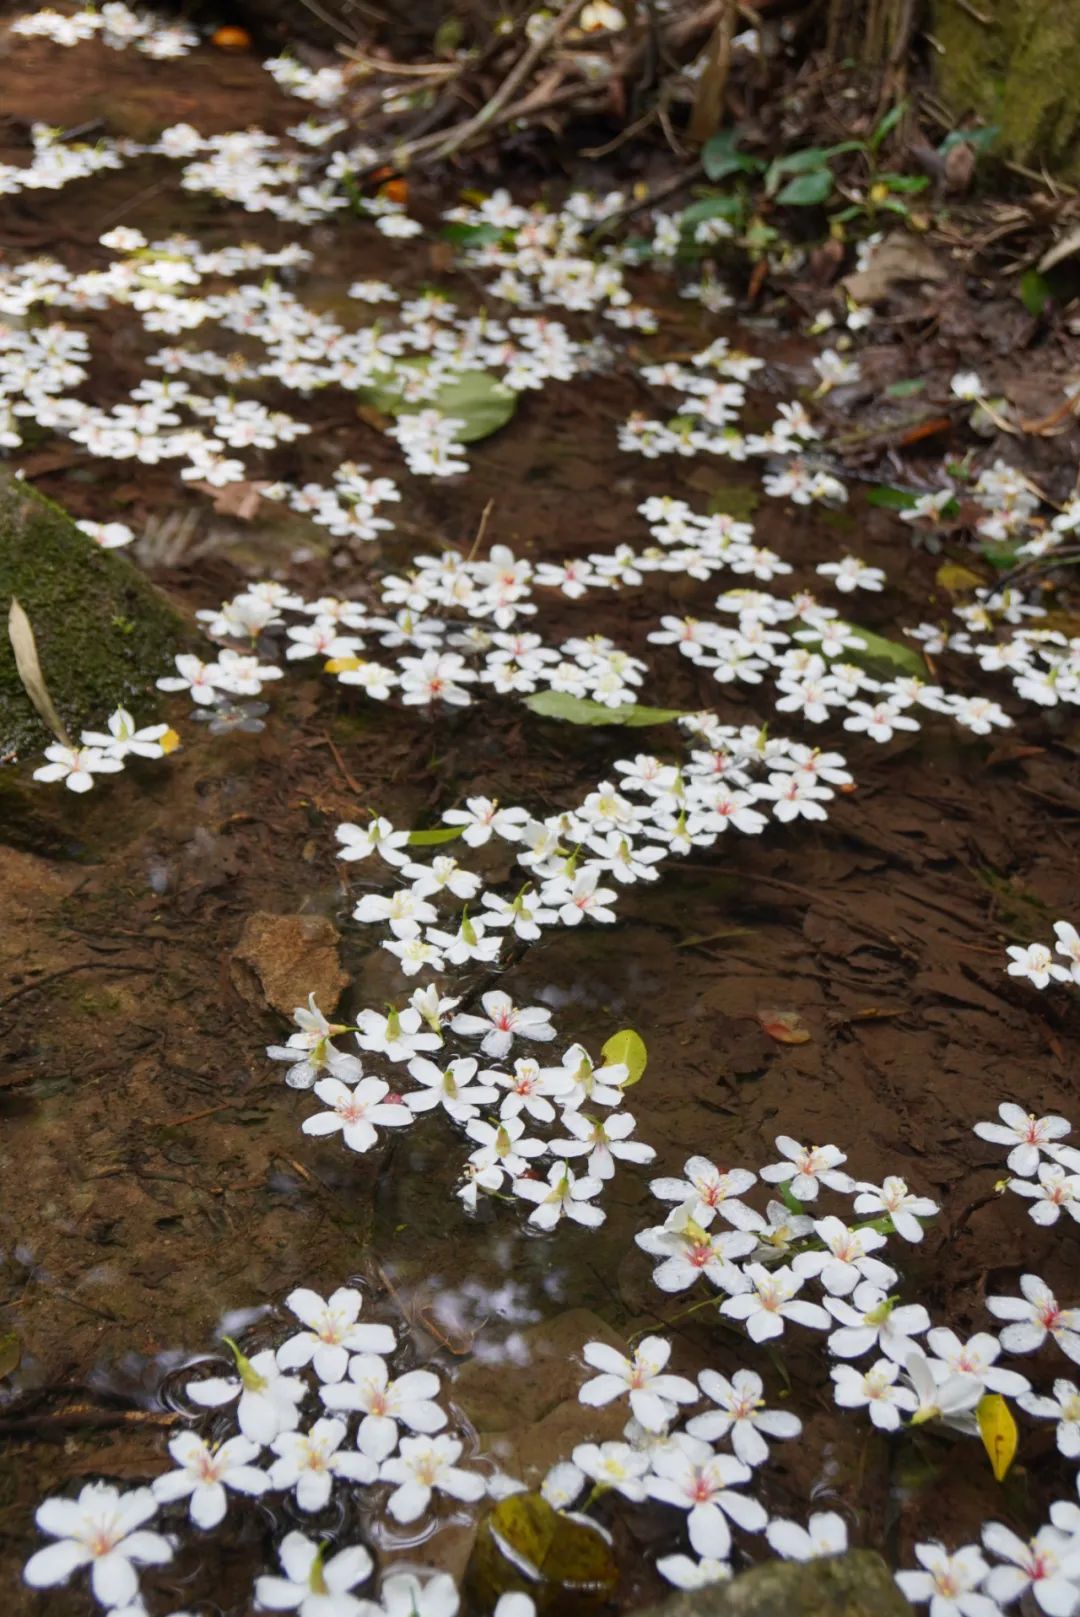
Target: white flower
850 574
1068 944
1053 1191
902 1205
403 1595
686 1573
482 816
654 1395
102 1529
845 1260
384 1403
973 1358
357 1113
310 1051
1026 1133
423 1466
614 1465
741 1412
603 1141
204 1473
123 739
689 1475
397 1035
1036 1315
874 1390
332 1333
378 836
824 1534
710 1185
808 1166
76 766
1048 1566
309 1461
967 385
502 1022
451 1087
940 1398
1035 962
688 1251
312 1586
871 1320
562 1194
1063 1407
949 1582
268 1399
772 1300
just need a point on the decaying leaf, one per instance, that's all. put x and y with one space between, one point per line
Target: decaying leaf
24 646
786 1027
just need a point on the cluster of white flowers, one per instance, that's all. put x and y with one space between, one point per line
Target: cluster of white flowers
55 162
1036 962
116 24
321 1410
105 752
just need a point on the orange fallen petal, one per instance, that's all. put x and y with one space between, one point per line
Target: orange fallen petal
786 1027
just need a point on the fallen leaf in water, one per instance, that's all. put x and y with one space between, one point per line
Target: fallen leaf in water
10 1353
240 500
786 1027
998 1432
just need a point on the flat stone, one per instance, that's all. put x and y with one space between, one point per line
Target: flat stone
547 1372
281 959
857 1584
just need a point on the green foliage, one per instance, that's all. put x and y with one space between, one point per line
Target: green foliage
579 710
563 1563
481 401
891 499
888 658
626 1049
434 837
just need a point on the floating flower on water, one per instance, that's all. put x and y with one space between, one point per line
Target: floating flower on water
203 1474
103 1529
312 1585
409 1399
424 1466
824 1534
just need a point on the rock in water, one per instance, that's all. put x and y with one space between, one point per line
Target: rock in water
857 1584
281 959
103 632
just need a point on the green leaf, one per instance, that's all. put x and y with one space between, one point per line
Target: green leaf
807 190
1034 291
891 499
579 710
626 1049
472 235
909 184
711 208
811 157
887 125
480 400
10 1353
719 156
905 389
980 140
434 837
885 657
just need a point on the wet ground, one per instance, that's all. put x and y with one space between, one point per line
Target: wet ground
154 1180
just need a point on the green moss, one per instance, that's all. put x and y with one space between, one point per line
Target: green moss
1019 72
103 632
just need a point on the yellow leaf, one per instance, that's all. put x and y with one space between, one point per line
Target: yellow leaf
626 1049
169 741
28 667
957 580
998 1432
342 665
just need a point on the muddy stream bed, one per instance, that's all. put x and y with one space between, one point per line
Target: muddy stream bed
155 1189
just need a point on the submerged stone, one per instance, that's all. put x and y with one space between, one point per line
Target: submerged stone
857 1584
103 632
564 1565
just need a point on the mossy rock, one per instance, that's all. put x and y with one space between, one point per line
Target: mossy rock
1018 71
857 1584
103 632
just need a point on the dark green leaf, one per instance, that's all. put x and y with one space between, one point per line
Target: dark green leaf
10 1353
579 710
1034 291
806 190
891 499
887 124
811 157
563 1563
885 657
719 156
908 184
472 235
434 837
482 402
711 208
980 140
905 389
